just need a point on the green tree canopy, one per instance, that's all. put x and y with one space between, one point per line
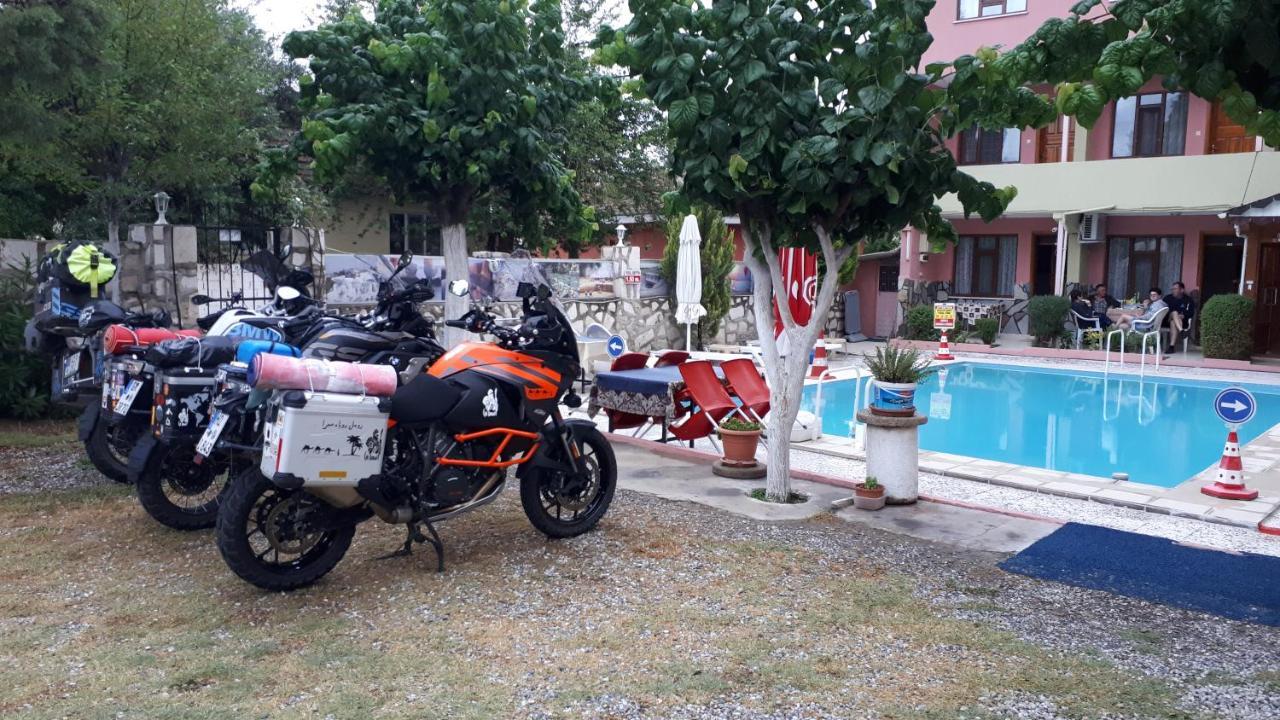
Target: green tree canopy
445 102
810 122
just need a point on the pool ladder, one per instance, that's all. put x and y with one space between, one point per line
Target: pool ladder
1124 334
861 400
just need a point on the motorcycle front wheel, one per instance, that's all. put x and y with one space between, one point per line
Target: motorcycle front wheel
109 445
269 536
562 504
180 493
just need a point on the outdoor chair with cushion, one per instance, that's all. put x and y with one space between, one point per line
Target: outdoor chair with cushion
1084 325
745 382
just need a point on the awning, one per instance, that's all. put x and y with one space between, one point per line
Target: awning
1185 185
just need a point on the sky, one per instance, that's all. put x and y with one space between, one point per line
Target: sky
278 17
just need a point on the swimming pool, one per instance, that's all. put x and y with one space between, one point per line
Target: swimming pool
1159 431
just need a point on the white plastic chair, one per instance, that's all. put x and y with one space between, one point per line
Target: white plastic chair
1154 330
1085 324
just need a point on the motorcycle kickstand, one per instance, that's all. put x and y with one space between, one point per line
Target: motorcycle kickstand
415 535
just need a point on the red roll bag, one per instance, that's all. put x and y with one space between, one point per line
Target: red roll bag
280 372
118 338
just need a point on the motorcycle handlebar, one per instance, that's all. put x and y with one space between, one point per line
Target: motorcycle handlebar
456 324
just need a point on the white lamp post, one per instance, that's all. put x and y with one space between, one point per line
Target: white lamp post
621 231
162 205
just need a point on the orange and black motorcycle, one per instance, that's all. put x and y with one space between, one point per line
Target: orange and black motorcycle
452 435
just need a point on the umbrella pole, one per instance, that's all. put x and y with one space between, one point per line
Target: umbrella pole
688 337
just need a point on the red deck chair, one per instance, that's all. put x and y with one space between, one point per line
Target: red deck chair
671 357
619 420
745 382
711 402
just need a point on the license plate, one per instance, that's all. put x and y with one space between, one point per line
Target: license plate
70 367
128 396
204 448
106 392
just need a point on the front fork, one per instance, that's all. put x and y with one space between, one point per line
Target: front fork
566 439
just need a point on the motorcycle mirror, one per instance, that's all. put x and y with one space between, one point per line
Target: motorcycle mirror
524 291
544 292
200 299
406 257
286 251
460 288
286 293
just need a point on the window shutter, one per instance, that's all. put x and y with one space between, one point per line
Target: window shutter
1008 265
1170 262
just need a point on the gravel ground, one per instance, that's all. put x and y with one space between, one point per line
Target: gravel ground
668 610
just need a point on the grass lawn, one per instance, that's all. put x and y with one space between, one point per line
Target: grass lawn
105 614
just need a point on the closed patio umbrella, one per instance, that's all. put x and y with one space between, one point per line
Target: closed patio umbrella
689 279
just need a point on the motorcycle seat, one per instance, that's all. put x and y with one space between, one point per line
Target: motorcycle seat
424 399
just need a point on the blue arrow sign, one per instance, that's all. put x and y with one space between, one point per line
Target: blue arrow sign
1235 405
616 346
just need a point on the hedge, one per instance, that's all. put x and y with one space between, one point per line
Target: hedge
1226 327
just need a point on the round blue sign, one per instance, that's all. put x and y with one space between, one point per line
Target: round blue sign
1235 405
616 346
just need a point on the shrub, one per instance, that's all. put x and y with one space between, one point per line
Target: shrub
24 376
1226 327
1047 313
898 365
738 424
987 329
920 323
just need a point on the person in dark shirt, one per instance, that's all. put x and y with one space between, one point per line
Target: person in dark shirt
1181 309
1102 302
1085 309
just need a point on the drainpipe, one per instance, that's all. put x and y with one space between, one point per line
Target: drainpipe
1244 256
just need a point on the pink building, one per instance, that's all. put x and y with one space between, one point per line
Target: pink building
1153 194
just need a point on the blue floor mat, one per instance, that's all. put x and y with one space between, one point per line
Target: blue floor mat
1241 587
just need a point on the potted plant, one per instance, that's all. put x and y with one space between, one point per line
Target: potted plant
740 437
868 494
897 372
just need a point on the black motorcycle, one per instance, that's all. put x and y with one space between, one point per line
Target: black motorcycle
181 470
445 440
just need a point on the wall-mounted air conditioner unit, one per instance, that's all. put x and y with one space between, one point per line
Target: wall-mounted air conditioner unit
1092 228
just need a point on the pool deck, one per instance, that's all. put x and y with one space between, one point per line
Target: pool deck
1261 459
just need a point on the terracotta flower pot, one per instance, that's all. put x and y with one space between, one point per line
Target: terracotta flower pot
865 498
740 446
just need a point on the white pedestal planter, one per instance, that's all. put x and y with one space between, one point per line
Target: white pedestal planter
893 454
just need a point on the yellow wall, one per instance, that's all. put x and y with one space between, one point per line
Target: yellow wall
362 225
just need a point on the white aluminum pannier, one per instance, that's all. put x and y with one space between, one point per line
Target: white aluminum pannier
316 439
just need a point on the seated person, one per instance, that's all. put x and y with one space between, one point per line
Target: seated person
1181 309
1102 302
1143 323
1086 310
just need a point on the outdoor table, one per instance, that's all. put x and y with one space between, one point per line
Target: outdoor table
647 391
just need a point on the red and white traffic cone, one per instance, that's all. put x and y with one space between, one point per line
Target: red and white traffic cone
819 365
1230 483
944 349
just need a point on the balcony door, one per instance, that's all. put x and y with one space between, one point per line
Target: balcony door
1227 135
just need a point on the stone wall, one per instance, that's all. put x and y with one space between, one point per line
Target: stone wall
158 270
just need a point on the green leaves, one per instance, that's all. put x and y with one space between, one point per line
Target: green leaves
754 70
683 115
874 98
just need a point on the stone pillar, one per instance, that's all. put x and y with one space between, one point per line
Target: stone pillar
893 454
158 270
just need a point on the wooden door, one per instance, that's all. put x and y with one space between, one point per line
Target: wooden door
1228 136
1266 326
1050 150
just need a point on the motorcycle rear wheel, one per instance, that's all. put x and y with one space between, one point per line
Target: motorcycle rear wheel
264 536
180 494
562 506
109 445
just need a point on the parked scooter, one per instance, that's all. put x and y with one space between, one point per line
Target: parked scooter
179 476
439 446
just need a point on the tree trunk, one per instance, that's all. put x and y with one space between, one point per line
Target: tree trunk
786 375
454 240
113 247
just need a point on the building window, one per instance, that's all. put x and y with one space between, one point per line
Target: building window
985 265
1137 264
990 147
1150 125
416 233
969 9
888 278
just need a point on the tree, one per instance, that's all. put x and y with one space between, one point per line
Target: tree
809 121
1227 50
716 254
445 103
161 95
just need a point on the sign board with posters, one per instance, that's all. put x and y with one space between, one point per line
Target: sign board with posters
944 316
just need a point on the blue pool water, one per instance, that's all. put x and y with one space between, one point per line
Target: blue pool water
1161 431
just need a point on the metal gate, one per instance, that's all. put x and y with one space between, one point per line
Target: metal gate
220 252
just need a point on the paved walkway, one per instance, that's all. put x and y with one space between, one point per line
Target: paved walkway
643 470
